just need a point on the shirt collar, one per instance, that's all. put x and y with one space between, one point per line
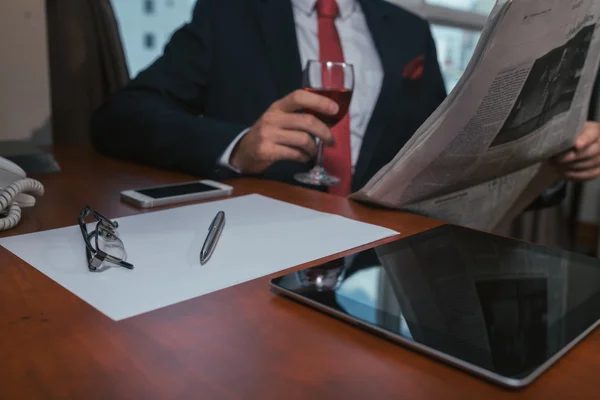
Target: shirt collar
308 7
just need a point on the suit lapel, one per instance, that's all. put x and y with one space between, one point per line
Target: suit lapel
276 20
392 38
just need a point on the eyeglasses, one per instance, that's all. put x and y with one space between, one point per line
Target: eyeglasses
103 243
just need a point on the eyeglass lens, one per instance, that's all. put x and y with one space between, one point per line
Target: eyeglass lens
109 243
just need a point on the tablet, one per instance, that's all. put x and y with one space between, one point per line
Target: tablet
502 309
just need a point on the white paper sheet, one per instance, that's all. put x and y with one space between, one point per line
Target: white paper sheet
261 236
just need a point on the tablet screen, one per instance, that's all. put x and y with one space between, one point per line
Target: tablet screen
502 305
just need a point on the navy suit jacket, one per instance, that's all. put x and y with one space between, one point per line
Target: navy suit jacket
221 71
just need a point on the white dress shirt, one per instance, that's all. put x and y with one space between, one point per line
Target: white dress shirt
359 50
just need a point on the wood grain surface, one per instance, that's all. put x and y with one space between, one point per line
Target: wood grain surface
244 342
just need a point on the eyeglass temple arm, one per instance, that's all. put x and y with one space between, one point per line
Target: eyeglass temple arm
125 264
87 210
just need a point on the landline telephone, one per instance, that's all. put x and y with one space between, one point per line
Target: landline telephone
16 192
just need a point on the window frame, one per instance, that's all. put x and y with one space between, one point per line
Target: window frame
445 16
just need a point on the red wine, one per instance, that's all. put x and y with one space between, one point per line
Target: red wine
341 96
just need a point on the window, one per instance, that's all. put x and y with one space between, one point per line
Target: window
454 47
456 28
149 6
478 6
149 41
147 25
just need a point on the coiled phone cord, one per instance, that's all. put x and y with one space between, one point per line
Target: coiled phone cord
9 207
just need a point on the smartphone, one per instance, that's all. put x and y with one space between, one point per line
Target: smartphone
175 193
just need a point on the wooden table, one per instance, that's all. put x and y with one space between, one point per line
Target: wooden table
244 342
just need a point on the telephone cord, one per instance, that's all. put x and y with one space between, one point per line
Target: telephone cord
10 208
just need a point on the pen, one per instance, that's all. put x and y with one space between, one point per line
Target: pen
214 231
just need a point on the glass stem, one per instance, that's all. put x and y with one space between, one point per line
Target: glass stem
320 154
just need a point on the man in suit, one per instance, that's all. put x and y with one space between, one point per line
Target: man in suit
223 98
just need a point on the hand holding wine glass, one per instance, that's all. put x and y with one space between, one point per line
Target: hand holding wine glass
283 134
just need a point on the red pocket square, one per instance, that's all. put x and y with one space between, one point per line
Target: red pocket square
414 69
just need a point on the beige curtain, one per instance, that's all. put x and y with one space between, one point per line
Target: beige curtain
87 63
548 226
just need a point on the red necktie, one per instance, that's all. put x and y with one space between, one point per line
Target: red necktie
336 159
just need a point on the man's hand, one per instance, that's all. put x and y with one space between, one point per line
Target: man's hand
283 134
583 162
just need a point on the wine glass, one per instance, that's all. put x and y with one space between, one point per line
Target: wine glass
334 80
323 278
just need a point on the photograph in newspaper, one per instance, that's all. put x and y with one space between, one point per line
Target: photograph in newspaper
549 89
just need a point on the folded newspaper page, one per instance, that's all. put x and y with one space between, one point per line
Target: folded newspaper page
523 98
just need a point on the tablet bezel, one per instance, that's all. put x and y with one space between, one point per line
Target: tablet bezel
494 377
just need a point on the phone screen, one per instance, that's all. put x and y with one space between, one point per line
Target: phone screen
176 190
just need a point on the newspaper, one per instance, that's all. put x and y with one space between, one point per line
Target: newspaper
523 98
